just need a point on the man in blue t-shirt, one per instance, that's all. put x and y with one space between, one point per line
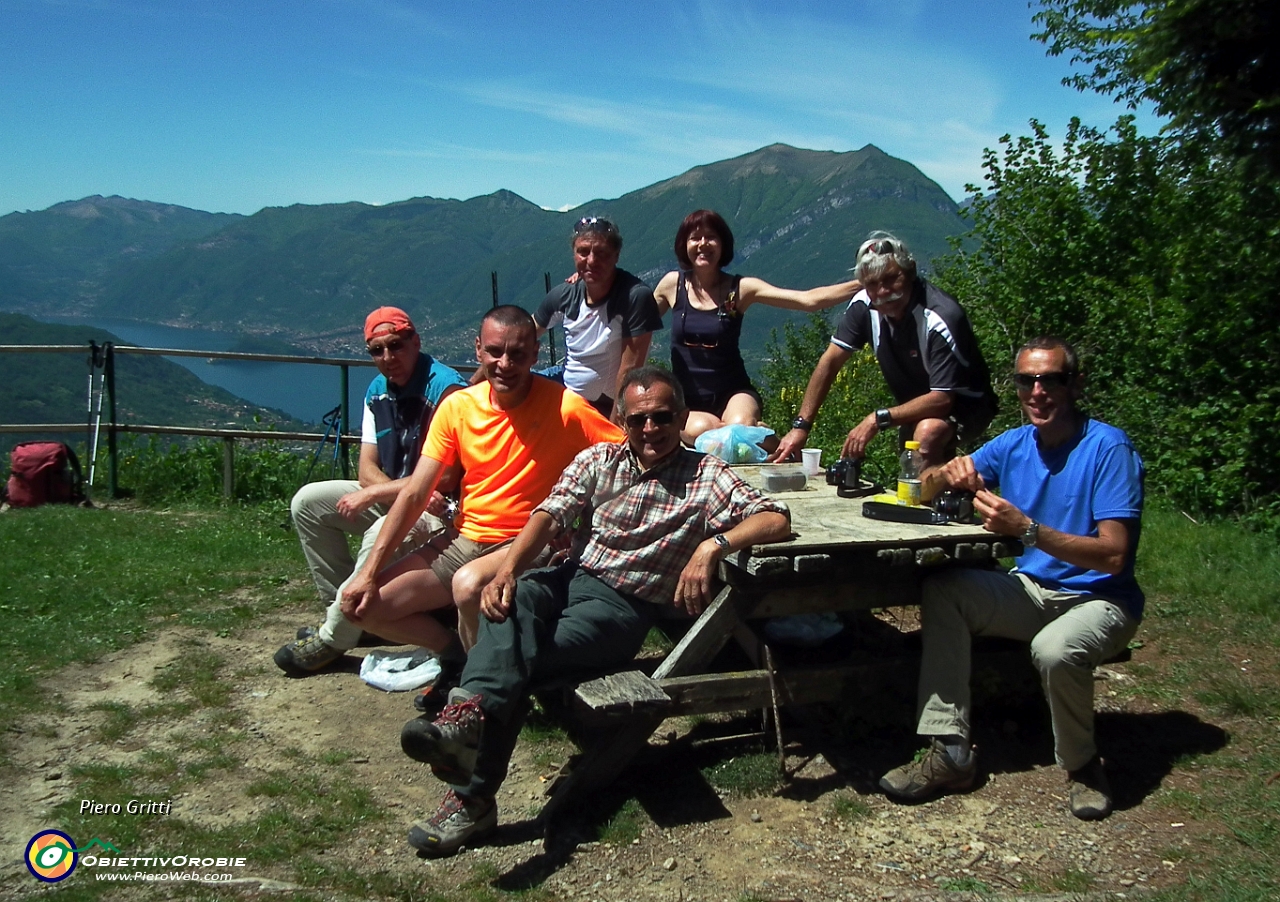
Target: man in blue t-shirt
397 410
1071 491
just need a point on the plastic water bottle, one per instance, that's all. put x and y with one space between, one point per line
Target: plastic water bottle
909 475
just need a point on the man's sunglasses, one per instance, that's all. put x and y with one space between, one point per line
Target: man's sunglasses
393 346
1050 381
594 224
657 417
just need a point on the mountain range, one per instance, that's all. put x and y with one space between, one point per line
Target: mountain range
307 274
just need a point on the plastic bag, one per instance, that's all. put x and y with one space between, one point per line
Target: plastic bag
399 671
804 630
735 444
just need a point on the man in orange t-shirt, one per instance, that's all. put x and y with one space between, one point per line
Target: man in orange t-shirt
513 434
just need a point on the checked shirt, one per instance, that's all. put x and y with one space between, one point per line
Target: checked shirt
645 525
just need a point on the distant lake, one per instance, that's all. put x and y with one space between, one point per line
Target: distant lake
302 390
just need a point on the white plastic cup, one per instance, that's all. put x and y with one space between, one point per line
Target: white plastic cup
812 460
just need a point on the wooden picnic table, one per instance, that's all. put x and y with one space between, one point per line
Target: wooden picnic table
836 560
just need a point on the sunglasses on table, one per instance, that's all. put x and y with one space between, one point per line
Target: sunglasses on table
393 346
1050 381
657 417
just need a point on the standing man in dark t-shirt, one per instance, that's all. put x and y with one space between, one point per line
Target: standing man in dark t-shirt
926 351
608 315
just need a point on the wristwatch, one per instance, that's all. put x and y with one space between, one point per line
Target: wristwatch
1031 535
720 539
801 423
884 419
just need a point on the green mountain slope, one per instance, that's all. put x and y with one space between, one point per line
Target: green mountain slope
53 387
307 273
57 258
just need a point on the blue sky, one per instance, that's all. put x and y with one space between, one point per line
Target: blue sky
233 105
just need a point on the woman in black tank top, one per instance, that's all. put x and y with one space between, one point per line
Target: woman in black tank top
707 306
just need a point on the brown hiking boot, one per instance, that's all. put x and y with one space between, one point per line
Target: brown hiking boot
1089 791
303 656
934 772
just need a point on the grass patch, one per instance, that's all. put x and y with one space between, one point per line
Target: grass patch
1213 608
625 825
964 885
1073 881
81 583
848 808
656 643
749 775
551 744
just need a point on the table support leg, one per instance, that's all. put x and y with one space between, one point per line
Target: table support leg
705 638
601 764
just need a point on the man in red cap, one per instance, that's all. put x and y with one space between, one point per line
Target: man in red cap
397 411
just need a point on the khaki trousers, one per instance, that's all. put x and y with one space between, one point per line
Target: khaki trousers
1070 634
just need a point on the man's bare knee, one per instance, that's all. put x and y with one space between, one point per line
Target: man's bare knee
937 440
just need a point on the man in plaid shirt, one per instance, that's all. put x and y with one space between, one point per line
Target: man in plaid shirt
659 519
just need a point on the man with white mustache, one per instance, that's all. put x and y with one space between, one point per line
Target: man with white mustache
926 351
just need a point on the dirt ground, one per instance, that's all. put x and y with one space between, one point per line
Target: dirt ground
1012 834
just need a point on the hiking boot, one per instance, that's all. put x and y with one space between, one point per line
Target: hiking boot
934 772
451 742
1089 792
458 820
431 700
367 640
304 656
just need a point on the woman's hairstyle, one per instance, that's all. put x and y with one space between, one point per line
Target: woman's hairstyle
703 219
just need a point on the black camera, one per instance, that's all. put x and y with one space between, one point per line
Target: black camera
846 475
846 472
954 505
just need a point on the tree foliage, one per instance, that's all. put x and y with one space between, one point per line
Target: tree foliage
1160 261
1157 256
1211 66
858 389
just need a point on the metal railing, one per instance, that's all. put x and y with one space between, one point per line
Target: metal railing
102 367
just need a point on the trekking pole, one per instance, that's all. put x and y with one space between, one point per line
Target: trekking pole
88 422
96 362
330 421
337 446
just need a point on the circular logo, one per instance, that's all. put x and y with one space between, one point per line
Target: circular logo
51 856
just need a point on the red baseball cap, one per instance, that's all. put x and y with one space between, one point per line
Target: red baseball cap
394 317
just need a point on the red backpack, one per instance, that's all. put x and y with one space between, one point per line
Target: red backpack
44 473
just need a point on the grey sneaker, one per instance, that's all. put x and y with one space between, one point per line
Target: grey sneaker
934 772
458 820
308 655
451 742
1090 793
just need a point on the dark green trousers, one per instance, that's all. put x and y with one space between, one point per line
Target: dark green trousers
564 622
